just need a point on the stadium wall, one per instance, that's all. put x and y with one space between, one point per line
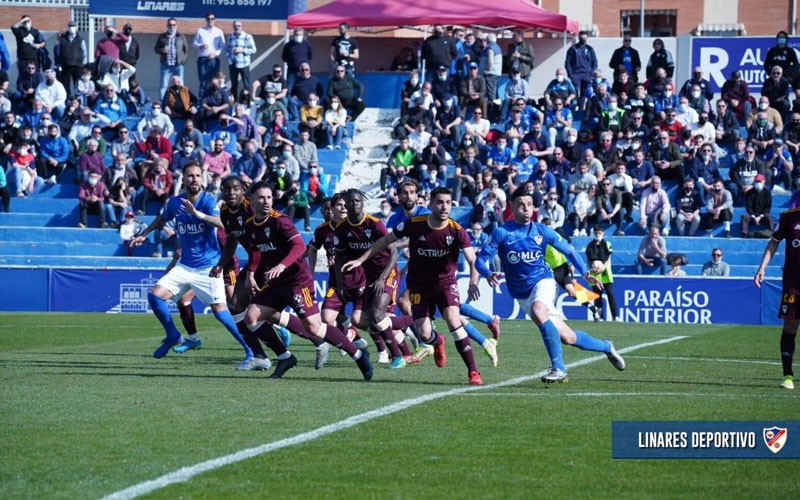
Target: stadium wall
640 299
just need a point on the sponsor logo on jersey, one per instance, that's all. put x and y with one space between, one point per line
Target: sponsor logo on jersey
368 232
191 228
266 232
432 252
528 256
422 238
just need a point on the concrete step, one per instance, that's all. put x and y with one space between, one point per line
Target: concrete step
89 262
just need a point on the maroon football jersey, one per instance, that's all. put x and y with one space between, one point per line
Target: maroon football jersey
233 221
433 253
272 237
323 238
352 240
789 230
222 237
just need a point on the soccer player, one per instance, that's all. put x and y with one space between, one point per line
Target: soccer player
521 244
356 233
789 310
197 218
434 241
279 277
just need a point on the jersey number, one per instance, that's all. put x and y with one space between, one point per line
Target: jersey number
416 298
788 298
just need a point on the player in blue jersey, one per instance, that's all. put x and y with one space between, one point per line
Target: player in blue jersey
197 220
521 245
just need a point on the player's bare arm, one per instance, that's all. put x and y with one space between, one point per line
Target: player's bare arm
769 251
379 245
227 254
469 255
390 265
214 220
157 224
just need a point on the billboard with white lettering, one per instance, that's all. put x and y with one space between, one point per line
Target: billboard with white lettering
226 9
721 56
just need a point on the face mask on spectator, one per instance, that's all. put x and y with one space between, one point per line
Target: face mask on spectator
92 181
188 150
72 30
612 105
156 111
762 122
385 212
298 38
763 106
46 122
26 25
270 100
286 154
281 171
313 170
683 107
758 185
119 166
414 81
559 78
667 94
334 105
696 95
313 102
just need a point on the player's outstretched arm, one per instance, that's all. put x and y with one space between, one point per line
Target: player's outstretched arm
473 292
379 245
214 220
227 254
769 251
157 223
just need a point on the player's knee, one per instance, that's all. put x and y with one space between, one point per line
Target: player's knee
540 311
320 331
459 333
283 319
254 326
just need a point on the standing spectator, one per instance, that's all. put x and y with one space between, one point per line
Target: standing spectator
173 49
491 64
5 57
599 251
91 195
29 41
687 208
652 252
110 45
660 58
179 102
296 52
53 154
719 208
438 50
52 94
344 50
240 47
716 266
71 56
785 57
519 55
349 91
129 51
626 60
209 41
580 63
758 203
654 207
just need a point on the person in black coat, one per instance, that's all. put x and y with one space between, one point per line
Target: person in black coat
626 58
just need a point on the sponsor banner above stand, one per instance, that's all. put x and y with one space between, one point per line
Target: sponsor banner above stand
277 10
721 56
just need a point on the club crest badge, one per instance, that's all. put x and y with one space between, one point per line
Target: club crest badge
538 239
775 438
449 240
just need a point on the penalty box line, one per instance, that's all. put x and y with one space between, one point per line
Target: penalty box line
185 473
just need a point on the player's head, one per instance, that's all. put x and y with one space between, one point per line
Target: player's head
338 209
354 201
441 203
260 195
192 178
407 194
522 205
233 191
326 210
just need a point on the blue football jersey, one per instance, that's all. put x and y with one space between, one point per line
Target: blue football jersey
400 216
199 244
521 248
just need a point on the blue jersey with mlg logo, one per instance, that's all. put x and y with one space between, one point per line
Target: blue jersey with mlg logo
199 244
521 248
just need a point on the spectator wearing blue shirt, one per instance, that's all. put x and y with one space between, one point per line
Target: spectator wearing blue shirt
641 171
5 57
499 156
525 161
251 166
704 171
544 180
562 87
296 52
541 146
53 154
225 130
557 121
778 162
111 106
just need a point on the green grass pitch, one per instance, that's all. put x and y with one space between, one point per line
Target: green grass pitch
86 412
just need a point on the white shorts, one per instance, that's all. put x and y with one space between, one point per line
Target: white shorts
181 278
544 291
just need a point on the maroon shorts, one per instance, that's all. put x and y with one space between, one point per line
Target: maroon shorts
790 306
389 288
300 297
333 301
424 301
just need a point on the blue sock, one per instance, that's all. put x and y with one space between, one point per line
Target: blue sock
586 342
161 311
552 343
228 322
472 312
473 333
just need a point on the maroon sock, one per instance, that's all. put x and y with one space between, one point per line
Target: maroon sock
296 326
464 348
337 339
266 333
404 348
251 339
187 317
380 345
401 322
388 337
437 340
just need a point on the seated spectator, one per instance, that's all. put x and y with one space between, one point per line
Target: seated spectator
472 91
698 101
5 193
384 214
794 201
705 129
21 172
394 183
166 238
595 107
743 173
704 170
698 81
685 114
654 207
298 205
758 203
488 212
467 171
128 229
305 152
85 88
82 129
676 262
558 120
652 252
91 196
179 161
526 163
53 155
136 98
156 185
217 161
155 117
560 87
774 120
409 87
120 168
432 159
97 135
516 88
737 94
479 239
335 123
609 206
719 208
312 117
596 167
120 202
583 211
152 148
641 103
90 161
716 266
281 181
124 143
613 119
215 102
779 167
791 134
726 125
292 165
442 85
52 94
419 138
268 110
687 208
226 129
178 101
27 83
500 155
277 86
579 182
448 122
9 131
488 184
544 180
776 91
550 209
667 159
623 83
112 107
431 182
349 91
118 77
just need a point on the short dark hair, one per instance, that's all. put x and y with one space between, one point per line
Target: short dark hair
260 185
441 190
409 182
230 179
520 192
190 164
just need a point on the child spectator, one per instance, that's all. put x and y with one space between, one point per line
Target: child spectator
22 171
298 205
127 230
86 92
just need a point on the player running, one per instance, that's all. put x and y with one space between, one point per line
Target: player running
522 244
197 218
789 230
279 276
434 241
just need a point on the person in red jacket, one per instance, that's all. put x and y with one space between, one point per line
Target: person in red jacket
155 146
156 185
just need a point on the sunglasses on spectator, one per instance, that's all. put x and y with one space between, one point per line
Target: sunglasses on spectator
750 152
210 18
172 25
716 254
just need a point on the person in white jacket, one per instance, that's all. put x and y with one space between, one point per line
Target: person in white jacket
52 94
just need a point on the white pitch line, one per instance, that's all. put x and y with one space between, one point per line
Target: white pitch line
185 473
713 360
624 394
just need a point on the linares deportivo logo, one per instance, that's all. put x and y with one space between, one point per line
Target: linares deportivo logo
775 438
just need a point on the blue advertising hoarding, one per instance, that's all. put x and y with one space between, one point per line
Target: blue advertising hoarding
720 56
226 9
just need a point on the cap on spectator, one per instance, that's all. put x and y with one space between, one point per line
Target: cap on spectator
778 141
442 68
514 71
72 23
473 65
759 178
129 214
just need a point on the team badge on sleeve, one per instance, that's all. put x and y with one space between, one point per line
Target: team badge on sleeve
538 239
775 438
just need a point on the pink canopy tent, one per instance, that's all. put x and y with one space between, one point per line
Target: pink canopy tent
492 13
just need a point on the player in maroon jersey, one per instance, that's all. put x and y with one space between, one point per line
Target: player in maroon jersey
358 232
788 230
434 241
278 276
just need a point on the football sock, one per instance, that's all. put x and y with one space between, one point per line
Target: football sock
787 352
187 318
400 322
227 321
296 326
385 327
161 311
473 333
464 348
380 345
336 338
400 340
472 312
586 342
552 343
251 339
